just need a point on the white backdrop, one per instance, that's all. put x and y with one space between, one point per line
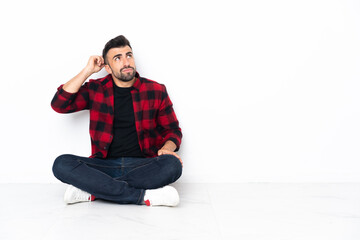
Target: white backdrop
265 91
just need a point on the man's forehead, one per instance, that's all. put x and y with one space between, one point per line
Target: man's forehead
119 50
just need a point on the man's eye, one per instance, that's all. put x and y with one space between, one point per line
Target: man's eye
117 59
129 56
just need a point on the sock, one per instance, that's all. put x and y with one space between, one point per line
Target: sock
92 198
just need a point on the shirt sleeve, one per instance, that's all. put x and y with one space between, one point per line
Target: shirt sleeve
65 102
167 121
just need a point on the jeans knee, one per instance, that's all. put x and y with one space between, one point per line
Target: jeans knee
62 165
173 166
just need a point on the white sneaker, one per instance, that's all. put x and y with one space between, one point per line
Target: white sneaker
75 195
165 196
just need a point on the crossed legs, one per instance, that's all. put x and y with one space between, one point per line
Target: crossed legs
123 180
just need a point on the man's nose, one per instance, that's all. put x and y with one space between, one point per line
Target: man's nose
126 62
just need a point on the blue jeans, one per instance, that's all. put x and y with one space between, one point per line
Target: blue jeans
122 180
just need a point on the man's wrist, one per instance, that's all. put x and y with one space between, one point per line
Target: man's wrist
169 145
87 72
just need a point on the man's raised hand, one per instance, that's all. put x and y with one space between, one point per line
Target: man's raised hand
95 64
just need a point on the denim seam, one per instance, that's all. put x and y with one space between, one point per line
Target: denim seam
98 165
134 169
141 197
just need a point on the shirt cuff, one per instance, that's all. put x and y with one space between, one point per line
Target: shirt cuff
64 93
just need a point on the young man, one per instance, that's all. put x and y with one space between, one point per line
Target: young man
134 134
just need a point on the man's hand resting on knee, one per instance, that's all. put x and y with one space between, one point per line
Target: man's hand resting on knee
169 148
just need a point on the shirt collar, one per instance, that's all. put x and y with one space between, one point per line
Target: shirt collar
137 82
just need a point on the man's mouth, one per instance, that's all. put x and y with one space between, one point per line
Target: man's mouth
127 70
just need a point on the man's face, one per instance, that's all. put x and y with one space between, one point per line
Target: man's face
121 63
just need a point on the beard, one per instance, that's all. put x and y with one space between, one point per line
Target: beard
125 77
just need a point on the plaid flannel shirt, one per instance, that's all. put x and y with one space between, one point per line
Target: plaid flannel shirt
155 119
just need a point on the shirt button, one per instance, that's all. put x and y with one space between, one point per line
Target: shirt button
105 148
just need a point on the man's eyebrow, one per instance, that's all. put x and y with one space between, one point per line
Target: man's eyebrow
119 55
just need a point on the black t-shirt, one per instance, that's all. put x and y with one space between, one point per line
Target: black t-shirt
125 141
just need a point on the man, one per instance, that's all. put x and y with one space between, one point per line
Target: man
134 134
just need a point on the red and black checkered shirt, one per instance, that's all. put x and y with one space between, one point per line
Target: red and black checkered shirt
155 119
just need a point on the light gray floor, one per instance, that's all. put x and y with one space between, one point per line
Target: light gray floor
207 211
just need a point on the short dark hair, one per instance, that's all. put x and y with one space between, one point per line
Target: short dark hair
119 41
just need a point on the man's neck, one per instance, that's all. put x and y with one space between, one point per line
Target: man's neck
123 84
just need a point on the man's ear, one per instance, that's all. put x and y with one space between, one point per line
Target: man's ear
108 69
